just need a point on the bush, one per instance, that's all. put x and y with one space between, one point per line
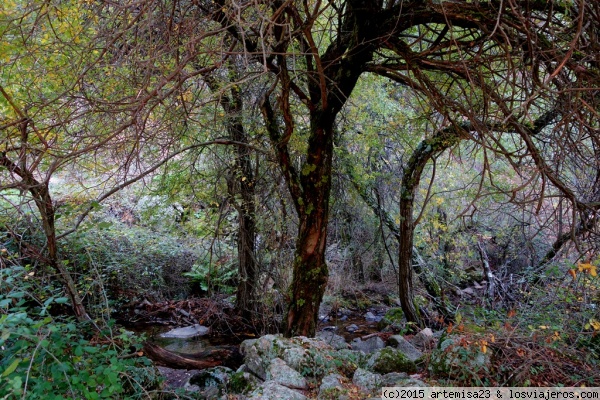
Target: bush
48 358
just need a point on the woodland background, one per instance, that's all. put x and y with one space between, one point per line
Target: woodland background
285 155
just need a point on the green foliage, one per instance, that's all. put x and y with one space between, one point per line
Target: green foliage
219 277
131 260
48 358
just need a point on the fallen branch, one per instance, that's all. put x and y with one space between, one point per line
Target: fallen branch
228 356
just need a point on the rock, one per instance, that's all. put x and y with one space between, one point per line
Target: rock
366 380
390 360
370 317
393 378
352 328
271 390
394 317
331 381
217 376
281 373
242 382
410 351
368 346
424 339
335 341
468 291
187 332
331 388
400 379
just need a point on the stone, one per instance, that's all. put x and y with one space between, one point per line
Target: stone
366 380
370 317
393 317
242 382
393 379
271 390
390 360
331 381
423 339
468 291
352 328
336 341
187 332
281 373
400 379
216 376
368 346
410 351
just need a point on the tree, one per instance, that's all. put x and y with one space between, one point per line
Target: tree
438 48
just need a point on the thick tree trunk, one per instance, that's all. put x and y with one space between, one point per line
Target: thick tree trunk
310 269
411 178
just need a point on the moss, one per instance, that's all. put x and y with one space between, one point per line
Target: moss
391 360
393 317
238 383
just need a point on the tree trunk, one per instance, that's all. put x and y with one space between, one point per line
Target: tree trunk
310 269
411 178
242 184
43 201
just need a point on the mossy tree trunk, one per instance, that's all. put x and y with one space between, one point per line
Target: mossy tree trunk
241 185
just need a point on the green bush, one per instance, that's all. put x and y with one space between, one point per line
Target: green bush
48 358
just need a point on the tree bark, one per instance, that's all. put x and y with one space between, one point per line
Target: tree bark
242 184
411 178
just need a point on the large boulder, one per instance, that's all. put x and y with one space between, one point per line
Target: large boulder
336 341
187 332
281 373
368 346
367 380
271 390
390 360
410 351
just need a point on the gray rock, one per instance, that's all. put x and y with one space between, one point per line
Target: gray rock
410 351
423 339
366 380
336 341
271 390
370 317
187 332
390 360
216 376
352 328
393 379
281 373
331 381
332 388
368 346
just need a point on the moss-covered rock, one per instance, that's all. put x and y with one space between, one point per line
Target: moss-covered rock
390 360
394 317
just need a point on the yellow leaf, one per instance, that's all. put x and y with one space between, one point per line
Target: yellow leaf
595 324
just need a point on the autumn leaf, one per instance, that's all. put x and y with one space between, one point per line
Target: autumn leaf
573 273
592 269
